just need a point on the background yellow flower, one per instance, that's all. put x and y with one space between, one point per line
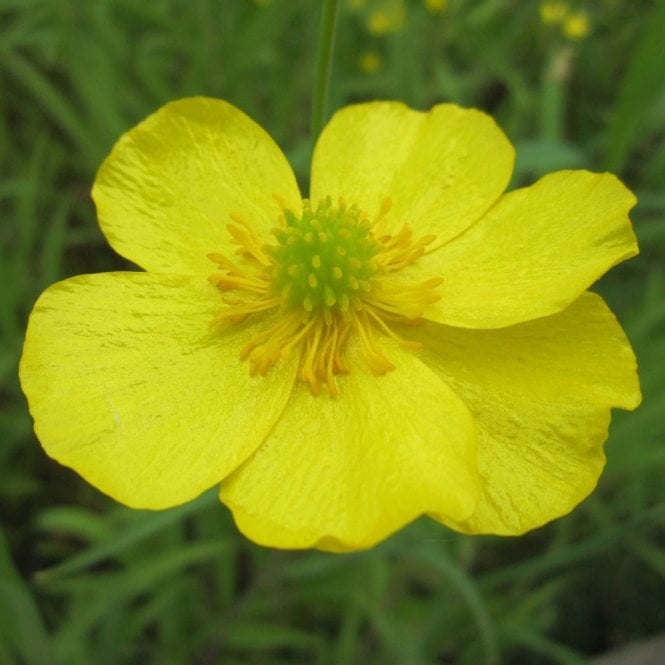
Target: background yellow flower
436 6
370 62
554 12
576 25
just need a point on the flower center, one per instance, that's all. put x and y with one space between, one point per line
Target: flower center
332 273
324 258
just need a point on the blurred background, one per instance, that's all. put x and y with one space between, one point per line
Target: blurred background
83 580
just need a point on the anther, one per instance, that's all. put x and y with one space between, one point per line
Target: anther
330 297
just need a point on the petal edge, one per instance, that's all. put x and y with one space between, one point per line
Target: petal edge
535 252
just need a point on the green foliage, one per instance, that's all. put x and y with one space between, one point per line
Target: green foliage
84 581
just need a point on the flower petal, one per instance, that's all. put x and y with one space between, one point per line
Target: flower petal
541 394
130 387
342 474
165 192
442 170
534 252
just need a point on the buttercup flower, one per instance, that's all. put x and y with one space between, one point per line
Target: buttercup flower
436 6
386 16
409 340
576 26
370 62
553 12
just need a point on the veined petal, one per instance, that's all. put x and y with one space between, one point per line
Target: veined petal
165 192
342 474
442 169
534 252
130 387
541 394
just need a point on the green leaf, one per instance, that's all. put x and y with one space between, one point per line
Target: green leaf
640 88
145 525
21 625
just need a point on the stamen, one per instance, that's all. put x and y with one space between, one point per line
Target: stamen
380 220
407 344
241 309
329 276
245 236
372 352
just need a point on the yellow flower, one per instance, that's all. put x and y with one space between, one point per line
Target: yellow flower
386 17
436 6
413 341
370 62
553 12
379 23
576 26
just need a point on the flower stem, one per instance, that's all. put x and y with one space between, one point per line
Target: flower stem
324 66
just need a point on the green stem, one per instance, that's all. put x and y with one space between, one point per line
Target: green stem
324 66
553 94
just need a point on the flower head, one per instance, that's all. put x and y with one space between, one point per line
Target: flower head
576 25
407 340
553 12
573 24
436 6
370 62
385 17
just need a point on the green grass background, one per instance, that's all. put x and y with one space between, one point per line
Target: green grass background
83 580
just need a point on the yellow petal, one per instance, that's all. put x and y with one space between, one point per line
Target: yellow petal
342 474
130 387
165 192
541 394
534 252
441 169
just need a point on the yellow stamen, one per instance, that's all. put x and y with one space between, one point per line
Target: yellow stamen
331 275
245 236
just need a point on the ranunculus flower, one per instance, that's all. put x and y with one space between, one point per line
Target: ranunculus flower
408 341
